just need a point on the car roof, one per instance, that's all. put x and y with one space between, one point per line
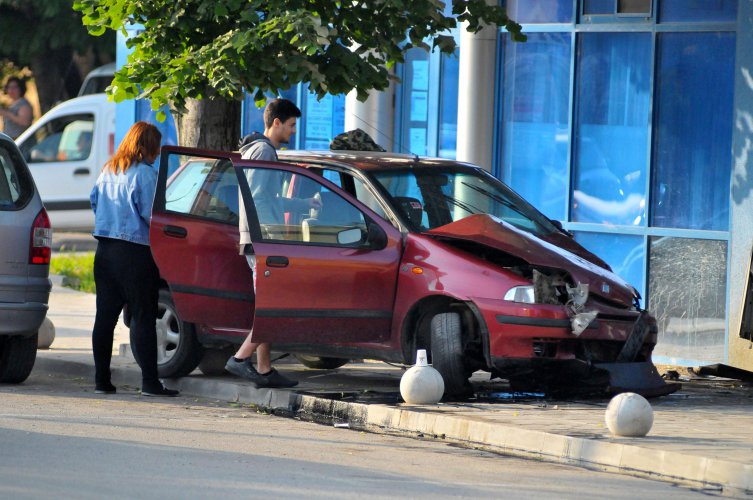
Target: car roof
368 160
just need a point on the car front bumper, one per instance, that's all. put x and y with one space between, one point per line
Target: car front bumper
544 332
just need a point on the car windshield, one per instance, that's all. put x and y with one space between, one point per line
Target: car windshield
430 197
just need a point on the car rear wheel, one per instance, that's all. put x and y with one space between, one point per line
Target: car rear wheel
178 350
17 356
447 354
321 362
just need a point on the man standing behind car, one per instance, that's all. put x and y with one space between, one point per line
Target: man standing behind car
280 118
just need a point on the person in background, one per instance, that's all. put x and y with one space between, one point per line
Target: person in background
18 116
124 270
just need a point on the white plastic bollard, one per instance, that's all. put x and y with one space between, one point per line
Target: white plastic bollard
421 384
46 334
629 414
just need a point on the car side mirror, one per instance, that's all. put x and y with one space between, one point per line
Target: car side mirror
349 236
376 237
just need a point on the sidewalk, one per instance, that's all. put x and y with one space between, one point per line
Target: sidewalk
702 435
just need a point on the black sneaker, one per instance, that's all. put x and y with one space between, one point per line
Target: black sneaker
275 379
244 369
160 391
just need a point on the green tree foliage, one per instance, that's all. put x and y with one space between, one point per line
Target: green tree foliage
44 35
194 49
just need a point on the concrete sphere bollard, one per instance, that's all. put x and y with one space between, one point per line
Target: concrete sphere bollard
629 414
421 384
45 334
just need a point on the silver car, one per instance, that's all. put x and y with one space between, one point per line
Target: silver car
25 250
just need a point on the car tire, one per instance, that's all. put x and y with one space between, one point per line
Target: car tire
178 350
321 362
447 354
17 356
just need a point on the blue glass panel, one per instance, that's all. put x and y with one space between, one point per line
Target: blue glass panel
697 10
448 107
611 133
540 11
599 7
167 128
625 254
687 295
692 142
144 112
415 103
322 120
535 120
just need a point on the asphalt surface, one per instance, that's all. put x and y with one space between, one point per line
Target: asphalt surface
701 435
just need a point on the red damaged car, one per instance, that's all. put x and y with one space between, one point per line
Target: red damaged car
404 253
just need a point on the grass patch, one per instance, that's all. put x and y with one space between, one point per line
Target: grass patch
77 270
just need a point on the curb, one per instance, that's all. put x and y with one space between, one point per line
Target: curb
719 476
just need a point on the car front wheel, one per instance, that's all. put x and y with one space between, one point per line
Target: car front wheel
178 350
17 356
447 354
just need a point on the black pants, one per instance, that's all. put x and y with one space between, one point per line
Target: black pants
125 273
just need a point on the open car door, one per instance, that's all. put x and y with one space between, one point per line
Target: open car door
326 270
194 240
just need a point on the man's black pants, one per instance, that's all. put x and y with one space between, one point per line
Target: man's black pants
125 273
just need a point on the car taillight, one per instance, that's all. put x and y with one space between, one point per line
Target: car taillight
40 249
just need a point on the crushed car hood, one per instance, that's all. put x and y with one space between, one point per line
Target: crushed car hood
488 230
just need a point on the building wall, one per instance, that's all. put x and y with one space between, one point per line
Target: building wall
741 205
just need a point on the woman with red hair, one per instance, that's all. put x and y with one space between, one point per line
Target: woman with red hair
124 270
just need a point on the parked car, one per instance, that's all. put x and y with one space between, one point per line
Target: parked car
97 80
65 150
25 246
405 253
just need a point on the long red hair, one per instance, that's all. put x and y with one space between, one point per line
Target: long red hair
142 141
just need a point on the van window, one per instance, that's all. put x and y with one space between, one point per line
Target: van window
68 138
15 182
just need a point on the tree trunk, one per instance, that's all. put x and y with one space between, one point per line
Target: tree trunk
50 70
210 123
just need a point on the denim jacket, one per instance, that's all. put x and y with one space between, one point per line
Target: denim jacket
122 203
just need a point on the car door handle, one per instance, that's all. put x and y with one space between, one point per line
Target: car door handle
81 171
175 231
277 261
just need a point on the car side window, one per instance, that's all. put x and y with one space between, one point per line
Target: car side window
68 138
15 186
296 208
204 187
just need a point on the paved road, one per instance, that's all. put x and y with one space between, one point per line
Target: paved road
59 440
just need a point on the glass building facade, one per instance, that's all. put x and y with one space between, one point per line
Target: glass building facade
615 118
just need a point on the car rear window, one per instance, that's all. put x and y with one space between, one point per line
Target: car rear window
16 186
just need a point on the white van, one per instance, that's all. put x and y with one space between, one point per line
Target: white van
97 80
65 150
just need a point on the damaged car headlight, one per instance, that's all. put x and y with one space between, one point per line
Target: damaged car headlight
522 294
